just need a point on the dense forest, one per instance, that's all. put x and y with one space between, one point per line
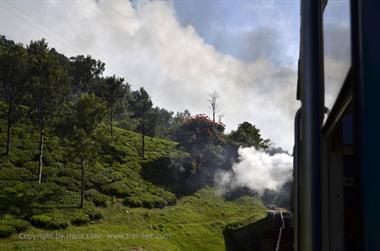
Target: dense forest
75 141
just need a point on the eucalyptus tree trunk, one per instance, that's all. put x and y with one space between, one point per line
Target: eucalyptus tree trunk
143 141
111 120
41 153
9 130
82 184
9 137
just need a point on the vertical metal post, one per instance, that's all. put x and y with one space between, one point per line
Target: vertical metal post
296 181
312 118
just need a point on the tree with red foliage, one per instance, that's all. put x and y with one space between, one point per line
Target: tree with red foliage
197 136
199 130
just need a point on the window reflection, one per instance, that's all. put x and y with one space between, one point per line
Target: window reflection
337 47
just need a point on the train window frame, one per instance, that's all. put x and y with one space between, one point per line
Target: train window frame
341 104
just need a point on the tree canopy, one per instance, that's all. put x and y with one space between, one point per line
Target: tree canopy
247 135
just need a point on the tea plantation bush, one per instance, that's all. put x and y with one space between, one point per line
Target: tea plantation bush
51 221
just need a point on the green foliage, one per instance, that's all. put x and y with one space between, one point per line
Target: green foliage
99 199
129 124
145 200
41 220
85 71
48 88
117 172
13 76
247 135
162 122
17 224
79 217
195 223
6 231
87 113
141 194
50 221
48 82
133 201
94 213
13 196
178 120
112 90
20 225
141 103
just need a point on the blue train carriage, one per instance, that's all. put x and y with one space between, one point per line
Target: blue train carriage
337 128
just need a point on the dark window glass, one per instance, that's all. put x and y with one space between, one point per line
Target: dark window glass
337 47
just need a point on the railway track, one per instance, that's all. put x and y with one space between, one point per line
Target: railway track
277 234
272 233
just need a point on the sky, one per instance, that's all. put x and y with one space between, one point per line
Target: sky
337 47
182 50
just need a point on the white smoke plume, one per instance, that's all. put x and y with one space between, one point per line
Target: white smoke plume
257 171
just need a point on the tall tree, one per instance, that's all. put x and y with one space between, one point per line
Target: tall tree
84 72
112 90
13 77
48 88
162 120
178 120
84 117
142 107
213 98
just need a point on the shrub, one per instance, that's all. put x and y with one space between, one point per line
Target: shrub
41 220
133 201
58 223
67 182
146 200
119 189
117 176
169 197
99 199
70 198
94 214
21 225
6 231
19 157
97 178
15 195
48 191
151 201
18 225
79 218
49 221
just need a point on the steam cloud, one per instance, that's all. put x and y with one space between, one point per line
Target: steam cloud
256 170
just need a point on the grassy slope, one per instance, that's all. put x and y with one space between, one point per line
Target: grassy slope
195 223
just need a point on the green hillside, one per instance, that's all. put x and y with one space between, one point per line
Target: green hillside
125 208
195 223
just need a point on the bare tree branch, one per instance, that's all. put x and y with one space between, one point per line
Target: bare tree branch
213 104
